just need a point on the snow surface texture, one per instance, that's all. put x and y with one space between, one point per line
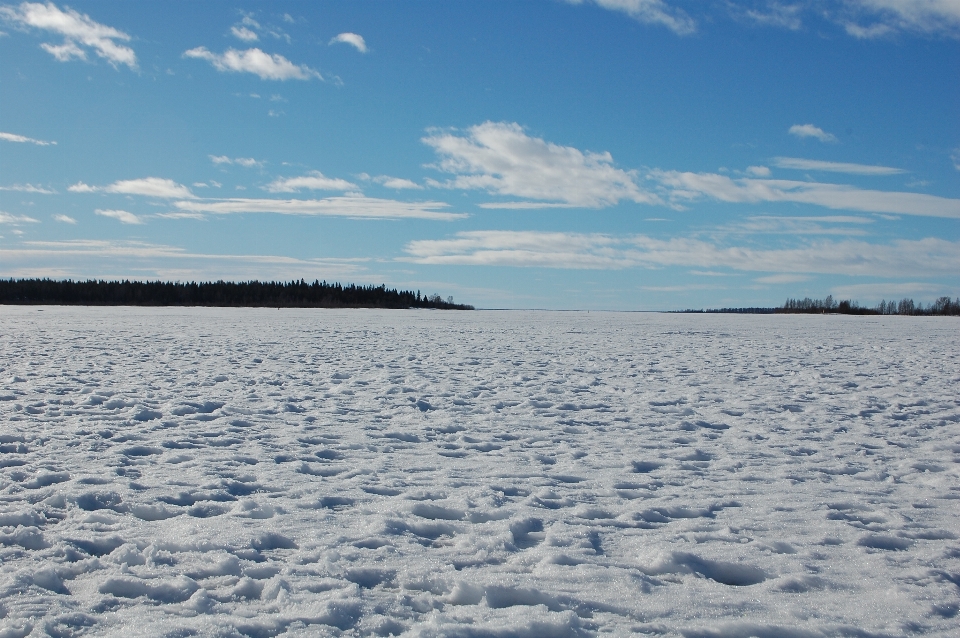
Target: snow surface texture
240 472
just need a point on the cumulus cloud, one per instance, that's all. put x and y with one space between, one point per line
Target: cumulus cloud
243 33
924 257
80 33
834 167
354 40
64 219
81 187
313 181
147 186
28 188
691 186
500 158
16 220
396 183
809 130
12 137
263 65
357 207
650 12
121 215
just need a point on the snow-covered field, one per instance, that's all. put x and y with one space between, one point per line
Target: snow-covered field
255 472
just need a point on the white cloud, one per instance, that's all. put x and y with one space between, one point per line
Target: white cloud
77 29
809 130
66 219
919 16
396 183
13 220
902 258
892 290
955 156
263 65
830 219
785 278
650 12
121 215
64 52
180 215
769 224
245 34
834 167
357 207
692 186
524 205
399 183
81 187
524 248
863 19
500 158
147 186
247 162
84 258
28 188
774 14
869 32
12 137
150 187
314 181
354 40
758 171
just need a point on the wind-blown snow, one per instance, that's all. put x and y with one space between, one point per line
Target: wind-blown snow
241 472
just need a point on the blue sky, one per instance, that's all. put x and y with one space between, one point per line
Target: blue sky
617 154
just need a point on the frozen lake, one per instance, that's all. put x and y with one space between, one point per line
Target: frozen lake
255 472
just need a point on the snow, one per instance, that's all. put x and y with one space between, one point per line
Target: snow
255 472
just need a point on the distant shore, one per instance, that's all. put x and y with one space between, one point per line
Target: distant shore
255 294
943 306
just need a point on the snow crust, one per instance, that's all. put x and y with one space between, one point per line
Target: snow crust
253 472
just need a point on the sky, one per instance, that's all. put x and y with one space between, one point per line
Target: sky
594 154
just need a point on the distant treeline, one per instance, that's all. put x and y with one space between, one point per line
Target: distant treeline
271 294
942 306
739 311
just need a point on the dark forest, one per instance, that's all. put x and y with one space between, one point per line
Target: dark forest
294 294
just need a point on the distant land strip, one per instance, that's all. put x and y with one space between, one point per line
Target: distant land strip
941 307
257 294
